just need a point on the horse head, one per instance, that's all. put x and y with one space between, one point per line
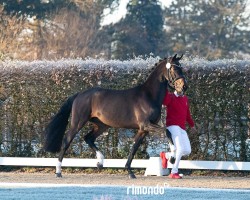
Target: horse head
172 72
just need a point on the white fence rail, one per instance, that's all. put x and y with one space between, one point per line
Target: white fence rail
120 163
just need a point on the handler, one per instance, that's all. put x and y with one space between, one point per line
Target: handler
178 113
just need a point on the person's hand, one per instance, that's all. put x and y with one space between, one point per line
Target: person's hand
193 130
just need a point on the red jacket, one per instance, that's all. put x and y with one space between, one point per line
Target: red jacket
178 112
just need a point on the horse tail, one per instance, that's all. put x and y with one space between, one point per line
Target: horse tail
56 128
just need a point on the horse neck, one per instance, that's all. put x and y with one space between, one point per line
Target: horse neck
155 87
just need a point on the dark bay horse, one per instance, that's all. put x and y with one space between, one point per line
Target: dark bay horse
135 108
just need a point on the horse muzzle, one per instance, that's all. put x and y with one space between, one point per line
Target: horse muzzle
185 87
180 85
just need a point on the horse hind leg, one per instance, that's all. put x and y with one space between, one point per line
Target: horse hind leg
66 143
76 126
90 138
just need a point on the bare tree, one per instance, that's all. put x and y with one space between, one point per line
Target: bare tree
70 30
11 27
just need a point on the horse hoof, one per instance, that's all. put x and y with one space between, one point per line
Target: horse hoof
132 176
172 160
99 165
58 175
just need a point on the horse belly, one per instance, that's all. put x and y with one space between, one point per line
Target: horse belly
121 118
118 118
115 108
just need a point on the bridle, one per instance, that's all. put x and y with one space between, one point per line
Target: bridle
170 78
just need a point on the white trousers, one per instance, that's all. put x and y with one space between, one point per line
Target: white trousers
181 143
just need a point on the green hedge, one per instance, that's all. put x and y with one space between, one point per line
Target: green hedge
32 92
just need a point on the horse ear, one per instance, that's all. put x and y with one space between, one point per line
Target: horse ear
174 57
180 57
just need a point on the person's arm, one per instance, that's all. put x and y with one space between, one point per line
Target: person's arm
190 120
189 117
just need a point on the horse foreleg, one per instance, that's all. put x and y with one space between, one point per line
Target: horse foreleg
138 140
169 137
157 128
172 147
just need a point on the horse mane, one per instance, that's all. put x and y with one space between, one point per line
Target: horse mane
155 66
